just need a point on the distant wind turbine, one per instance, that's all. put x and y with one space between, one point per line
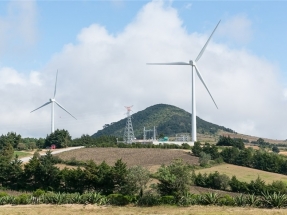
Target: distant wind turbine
52 101
192 63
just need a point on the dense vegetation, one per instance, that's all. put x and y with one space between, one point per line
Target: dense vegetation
169 120
119 185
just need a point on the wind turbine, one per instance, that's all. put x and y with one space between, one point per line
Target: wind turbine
52 101
192 63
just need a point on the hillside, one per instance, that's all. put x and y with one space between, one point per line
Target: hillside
168 120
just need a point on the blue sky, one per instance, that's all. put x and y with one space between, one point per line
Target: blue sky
39 37
58 23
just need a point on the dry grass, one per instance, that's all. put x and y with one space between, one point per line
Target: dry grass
147 157
244 173
250 138
112 210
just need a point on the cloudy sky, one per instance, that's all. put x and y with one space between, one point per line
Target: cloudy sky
101 48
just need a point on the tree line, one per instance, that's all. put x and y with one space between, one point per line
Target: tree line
237 154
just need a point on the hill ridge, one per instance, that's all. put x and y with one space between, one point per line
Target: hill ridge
168 120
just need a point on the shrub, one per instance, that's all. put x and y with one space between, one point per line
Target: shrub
38 193
275 200
240 200
168 200
252 200
3 194
211 198
204 159
187 199
118 199
23 199
174 179
148 199
226 200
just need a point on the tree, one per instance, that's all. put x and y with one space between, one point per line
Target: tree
13 175
12 138
60 138
196 149
119 174
230 155
136 180
40 173
40 143
6 149
204 159
212 150
85 140
174 179
275 149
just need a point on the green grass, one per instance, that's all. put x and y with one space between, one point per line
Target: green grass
244 173
21 154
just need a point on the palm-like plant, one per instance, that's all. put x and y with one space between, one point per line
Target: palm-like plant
252 200
187 199
211 198
275 200
240 200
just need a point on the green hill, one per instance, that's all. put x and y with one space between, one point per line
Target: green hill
168 120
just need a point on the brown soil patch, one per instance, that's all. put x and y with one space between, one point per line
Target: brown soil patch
146 157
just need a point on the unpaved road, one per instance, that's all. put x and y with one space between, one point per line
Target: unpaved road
54 151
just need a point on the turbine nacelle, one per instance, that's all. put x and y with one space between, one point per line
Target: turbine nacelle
52 100
192 63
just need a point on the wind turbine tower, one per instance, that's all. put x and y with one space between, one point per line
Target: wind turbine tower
194 69
129 131
52 101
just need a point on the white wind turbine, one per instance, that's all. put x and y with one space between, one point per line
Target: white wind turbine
193 65
52 101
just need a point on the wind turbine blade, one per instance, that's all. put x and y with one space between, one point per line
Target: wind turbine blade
64 109
204 47
56 84
200 77
175 63
41 106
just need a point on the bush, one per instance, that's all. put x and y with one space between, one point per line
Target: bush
174 179
226 200
3 194
38 193
148 199
275 200
187 199
168 200
118 199
204 159
23 199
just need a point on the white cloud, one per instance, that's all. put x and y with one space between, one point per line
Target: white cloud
237 28
18 26
102 73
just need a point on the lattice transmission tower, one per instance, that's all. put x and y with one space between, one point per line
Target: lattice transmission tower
129 131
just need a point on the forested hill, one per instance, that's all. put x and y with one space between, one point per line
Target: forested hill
168 120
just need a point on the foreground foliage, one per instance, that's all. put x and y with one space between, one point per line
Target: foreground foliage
274 200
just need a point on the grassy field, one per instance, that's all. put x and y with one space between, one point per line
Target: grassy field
153 158
112 210
244 173
22 154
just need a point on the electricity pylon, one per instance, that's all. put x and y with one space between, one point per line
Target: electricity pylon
129 131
